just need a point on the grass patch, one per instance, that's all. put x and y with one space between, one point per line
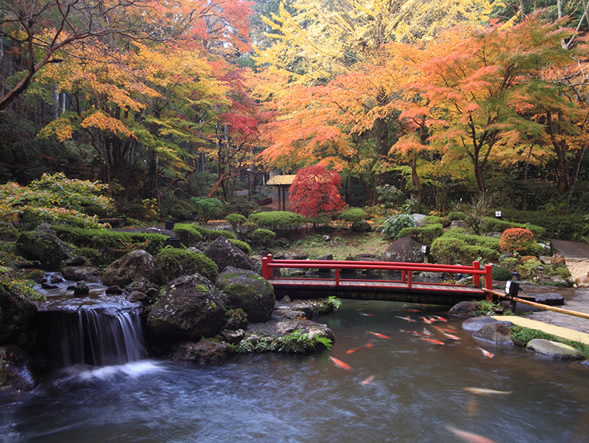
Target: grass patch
521 336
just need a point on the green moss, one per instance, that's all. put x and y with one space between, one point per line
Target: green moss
521 336
353 215
189 234
263 237
455 247
278 220
242 245
490 224
200 288
173 263
424 235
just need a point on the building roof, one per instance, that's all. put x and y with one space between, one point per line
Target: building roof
281 180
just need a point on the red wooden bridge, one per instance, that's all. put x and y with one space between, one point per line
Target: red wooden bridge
406 287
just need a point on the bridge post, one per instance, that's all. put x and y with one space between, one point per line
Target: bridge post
489 281
403 276
337 273
476 278
410 280
266 270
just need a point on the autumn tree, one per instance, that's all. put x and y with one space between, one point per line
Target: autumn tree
314 191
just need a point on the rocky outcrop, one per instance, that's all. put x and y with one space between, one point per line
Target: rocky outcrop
16 373
476 323
224 253
45 247
16 317
204 351
464 309
248 291
190 308
498 333
77 273
555 350
404 250
135 265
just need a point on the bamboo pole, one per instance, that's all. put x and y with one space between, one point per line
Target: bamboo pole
538 305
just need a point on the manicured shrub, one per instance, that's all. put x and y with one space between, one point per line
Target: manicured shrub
393 225
207 208
517 240
213 234
353 215
173 263
456 215
433 220
235 220
188 233
424 235
278 220
242 245
569 226
263 237
474 240
452 250
490 224
501 274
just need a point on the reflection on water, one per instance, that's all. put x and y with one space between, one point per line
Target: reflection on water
416 392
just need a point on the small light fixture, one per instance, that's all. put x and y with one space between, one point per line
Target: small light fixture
425 249
512 288
499 215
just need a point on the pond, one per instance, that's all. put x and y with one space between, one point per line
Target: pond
402 388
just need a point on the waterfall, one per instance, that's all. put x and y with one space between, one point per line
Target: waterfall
95 337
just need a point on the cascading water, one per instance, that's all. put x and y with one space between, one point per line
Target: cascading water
97 329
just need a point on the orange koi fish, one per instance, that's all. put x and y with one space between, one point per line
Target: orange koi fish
351 351
379 335
366 315
442 319
368 380
450 336
486 353
428 320
340 364
469 436
431 340
369 345
409 319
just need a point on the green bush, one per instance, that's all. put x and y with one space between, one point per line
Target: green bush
393 225
242 245
235 220
433 220
188 233
263 237
207 208
424 235
474 240
278 220
456 215
213 234
111 245
174 207
490 224
173 263
452 250
501 274
353 215
571 226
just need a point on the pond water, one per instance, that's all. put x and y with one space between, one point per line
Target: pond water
398 389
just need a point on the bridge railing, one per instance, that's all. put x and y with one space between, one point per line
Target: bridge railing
407 269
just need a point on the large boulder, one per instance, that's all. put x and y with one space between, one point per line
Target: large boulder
554 349
224 253
45 247
476 323
16 317
248 291
464 309
16 374
498 333
78 273
404 250
205 351
190 308
133 266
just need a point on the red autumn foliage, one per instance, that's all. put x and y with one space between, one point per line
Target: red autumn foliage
314 191
516 240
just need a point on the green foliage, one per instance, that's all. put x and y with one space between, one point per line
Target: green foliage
334 302
11 282
501 274
9 257
242 245
353 215
263 237
278 220
213 234
424 235
530 268
569 226
488 307
389 195
453 250
394 225
521 336
433 220
235 219
299 342
175 208
490 224
110 245
208 208
173 263
188 233
56 199
456 215
475 240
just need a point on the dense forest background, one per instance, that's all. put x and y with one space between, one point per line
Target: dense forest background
169 101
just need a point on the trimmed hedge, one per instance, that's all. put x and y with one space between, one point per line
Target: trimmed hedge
425 234
173 263
188 233
109 245
452 250
474 240
571 226
278 220
353 215
490 224
263 237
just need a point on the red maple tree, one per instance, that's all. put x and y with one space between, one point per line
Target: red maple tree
314 191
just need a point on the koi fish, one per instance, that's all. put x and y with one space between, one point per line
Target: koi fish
379 335
486 353
366 315
351 351
428 320
409 319
442 319
450 336
368 380
449 329
484 391
340 364
431 340
469 436
369 345
412 310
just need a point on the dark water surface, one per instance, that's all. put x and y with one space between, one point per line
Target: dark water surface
416 393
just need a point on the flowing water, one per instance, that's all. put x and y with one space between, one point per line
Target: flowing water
402 389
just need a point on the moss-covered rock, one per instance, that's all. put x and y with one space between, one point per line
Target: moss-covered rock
44 247
224 253
132 266
172 263
205 351
16 317
190 308
248 291
16 374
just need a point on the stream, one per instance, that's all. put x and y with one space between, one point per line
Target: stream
401 388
